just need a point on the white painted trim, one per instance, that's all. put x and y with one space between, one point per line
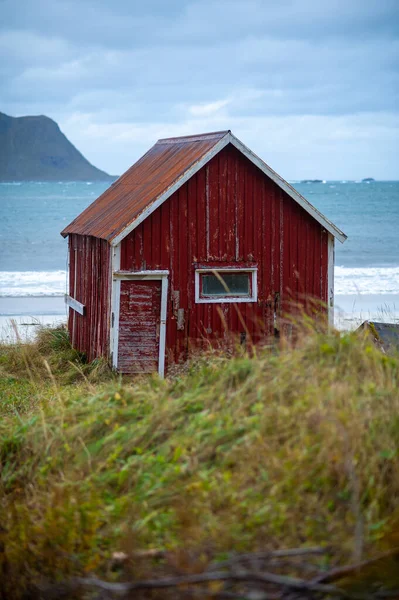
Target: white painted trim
161 199
162 328
74 304
229 138
117 277
227 299
140 274
330 279
284 185
115 305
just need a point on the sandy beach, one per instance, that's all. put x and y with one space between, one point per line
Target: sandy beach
29 313
352 309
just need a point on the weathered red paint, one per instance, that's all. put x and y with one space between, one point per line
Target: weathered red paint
139 326
90 284
229 213
136 189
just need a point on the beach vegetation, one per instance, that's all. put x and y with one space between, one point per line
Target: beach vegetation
293 447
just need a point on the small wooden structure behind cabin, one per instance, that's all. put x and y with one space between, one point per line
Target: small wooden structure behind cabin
198 240
385 335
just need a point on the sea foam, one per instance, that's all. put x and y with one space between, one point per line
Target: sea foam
366 280
33 283
348 280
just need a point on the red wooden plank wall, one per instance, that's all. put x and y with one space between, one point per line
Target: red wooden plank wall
89 283
229 214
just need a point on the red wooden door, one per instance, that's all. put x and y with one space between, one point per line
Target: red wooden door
139 323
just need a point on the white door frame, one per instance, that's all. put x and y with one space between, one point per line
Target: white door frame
117 277
330 279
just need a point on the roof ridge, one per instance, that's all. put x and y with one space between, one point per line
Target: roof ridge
194 138
162 170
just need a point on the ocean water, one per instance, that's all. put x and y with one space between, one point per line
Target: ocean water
33 255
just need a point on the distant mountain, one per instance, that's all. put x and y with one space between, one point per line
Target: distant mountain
35 149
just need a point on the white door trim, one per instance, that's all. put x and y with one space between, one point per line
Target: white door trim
117 277
115 305
162 331
140 274
330 279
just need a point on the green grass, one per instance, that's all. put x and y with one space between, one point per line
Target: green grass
297 447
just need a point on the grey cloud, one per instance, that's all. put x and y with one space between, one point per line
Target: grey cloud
144 68
127 22
295 77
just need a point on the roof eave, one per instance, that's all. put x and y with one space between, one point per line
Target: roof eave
115 240
116 237
292 192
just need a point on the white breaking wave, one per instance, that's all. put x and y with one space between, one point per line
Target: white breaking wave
348 280
33 283
366 280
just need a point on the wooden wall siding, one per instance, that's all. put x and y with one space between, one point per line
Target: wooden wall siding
139 326
89 281
230 213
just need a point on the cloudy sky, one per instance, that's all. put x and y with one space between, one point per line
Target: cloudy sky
312 86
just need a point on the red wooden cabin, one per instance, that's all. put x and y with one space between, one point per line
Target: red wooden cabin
198 238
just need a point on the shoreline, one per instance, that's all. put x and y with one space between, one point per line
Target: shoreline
351 310
27 313
18 306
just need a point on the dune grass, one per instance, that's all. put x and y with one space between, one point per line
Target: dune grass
281 449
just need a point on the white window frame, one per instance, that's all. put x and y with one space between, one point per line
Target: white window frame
253 271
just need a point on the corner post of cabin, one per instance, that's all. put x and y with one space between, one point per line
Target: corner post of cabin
68 287
72 242
330 279
115 304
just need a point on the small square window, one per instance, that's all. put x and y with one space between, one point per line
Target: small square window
225 285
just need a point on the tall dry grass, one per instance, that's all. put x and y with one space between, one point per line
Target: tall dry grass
291 447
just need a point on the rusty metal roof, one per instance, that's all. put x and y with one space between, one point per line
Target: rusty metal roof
160 172
137 189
